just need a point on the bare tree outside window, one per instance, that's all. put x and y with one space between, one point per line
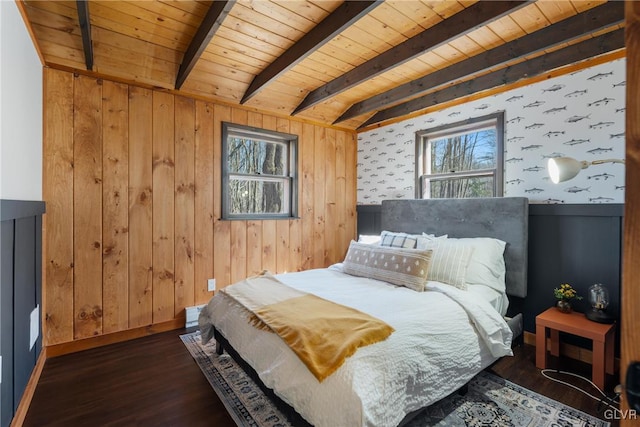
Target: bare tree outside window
461 160
258 173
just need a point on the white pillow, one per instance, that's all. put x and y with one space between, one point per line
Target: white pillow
369 239
433 236
486 266
424 238
449 261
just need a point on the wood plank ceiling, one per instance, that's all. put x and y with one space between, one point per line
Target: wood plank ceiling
354 64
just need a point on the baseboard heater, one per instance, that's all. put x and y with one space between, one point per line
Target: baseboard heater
192 314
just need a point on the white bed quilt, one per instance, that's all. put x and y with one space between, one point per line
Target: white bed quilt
443 337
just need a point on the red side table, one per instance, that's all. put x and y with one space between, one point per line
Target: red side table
602 335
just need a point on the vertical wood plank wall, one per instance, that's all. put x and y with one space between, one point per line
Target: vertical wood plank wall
630 333
132 185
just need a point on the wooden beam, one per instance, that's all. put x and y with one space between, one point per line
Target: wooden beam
463 22
85 29
556 72
345 15
592 47
630 292
217 12
606 15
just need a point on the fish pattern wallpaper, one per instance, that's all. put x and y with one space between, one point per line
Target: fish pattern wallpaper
579 115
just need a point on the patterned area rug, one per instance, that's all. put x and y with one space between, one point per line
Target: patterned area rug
491 401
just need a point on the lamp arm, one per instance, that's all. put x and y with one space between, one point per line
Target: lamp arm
599 162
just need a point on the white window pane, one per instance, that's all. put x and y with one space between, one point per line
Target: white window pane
256 196
478 186
463 152
250 156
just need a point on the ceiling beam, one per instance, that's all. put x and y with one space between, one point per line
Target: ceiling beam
606 15
602 44
341 18
85 29
463 22
217 12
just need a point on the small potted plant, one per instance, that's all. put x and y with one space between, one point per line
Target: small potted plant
564 294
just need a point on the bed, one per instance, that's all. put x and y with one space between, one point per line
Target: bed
441 337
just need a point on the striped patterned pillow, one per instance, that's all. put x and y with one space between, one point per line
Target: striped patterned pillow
398 240
449 261
402 267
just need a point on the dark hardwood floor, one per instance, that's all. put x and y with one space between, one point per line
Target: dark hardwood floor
153 381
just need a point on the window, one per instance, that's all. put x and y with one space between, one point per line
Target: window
259 178
461 160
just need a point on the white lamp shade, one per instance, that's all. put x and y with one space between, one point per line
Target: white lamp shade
564 168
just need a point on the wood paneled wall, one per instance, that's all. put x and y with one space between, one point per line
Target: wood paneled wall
132 185
630 333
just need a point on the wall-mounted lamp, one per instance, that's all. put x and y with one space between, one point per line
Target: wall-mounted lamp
564 168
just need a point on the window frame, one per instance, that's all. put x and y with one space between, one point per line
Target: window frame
290 176
423 152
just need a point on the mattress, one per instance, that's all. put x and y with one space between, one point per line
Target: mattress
443 337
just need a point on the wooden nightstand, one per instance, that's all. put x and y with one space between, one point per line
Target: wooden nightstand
602 335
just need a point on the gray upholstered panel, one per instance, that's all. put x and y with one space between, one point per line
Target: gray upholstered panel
504 218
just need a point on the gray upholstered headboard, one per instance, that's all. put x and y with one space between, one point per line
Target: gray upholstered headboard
504 218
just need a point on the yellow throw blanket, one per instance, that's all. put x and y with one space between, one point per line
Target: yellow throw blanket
321 333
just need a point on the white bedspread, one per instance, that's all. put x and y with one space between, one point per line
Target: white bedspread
442 338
